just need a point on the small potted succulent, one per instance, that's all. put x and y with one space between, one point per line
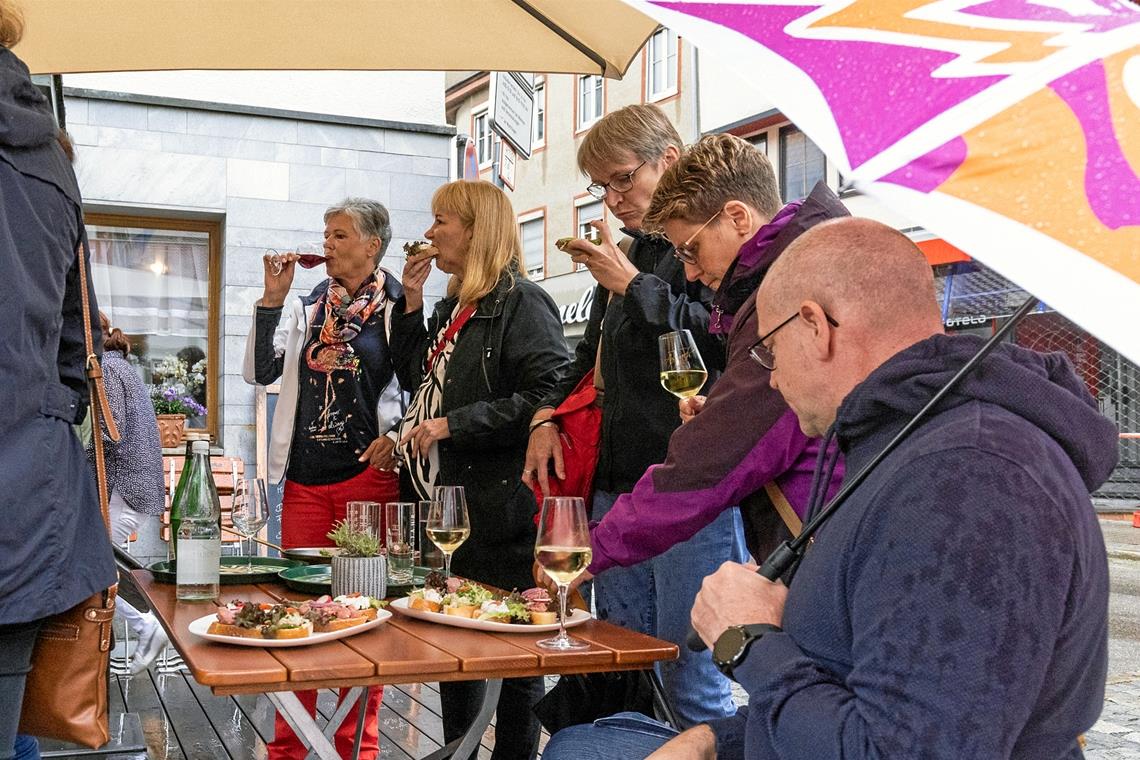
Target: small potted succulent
357 565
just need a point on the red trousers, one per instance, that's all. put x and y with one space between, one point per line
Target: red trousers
307 515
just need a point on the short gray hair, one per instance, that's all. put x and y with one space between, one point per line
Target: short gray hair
370 218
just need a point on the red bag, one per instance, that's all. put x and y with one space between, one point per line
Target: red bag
579 420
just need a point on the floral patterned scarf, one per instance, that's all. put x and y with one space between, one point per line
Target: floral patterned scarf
344 318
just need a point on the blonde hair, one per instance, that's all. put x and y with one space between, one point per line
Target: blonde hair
11 24
495 248
713 171
643 130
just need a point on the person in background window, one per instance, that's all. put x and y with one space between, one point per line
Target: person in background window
331 354
491 351
54 548
134 474
641 295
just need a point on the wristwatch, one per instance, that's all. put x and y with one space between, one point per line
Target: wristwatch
732 645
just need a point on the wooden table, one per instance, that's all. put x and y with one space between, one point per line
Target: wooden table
402 650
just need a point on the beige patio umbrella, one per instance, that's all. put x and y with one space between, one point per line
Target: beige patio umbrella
565 36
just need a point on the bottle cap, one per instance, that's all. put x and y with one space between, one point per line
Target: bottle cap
200 447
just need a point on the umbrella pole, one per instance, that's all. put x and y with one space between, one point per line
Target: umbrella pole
790 552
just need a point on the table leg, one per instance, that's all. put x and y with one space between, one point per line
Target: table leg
360 717
303 724
466 744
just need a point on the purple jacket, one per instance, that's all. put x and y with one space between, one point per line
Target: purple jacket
745 437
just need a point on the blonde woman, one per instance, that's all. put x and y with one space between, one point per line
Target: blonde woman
490 352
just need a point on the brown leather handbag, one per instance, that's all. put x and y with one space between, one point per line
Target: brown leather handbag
65 696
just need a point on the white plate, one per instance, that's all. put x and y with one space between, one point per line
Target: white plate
577 617
199 627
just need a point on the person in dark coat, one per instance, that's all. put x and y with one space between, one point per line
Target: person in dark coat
54 547
491 351
641 295
956 605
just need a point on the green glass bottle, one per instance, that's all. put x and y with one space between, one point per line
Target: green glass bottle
199 537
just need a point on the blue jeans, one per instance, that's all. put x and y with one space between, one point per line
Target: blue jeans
627 735
27 748
656 597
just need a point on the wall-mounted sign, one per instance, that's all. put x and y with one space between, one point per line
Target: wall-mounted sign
579 311
507 165
512 107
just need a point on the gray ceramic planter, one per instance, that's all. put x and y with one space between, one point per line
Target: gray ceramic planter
366 575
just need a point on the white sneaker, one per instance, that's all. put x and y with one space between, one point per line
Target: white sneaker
149 647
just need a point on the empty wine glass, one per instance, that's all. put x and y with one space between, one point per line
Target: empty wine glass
250 511
563 550
448 525
682 369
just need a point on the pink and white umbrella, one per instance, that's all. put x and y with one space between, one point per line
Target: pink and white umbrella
1009 127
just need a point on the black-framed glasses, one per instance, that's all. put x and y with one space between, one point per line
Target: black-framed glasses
763 355
682 252
619 184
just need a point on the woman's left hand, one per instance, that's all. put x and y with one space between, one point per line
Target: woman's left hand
425 434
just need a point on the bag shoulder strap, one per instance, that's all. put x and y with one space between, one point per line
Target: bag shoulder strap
787 514
98 404
448 334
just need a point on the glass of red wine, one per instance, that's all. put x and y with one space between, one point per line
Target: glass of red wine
309 255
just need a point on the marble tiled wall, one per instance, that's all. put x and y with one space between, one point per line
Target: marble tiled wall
268 180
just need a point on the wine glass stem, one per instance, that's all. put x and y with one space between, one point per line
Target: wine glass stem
447 564
563 590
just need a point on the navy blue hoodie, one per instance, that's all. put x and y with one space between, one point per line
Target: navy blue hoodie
956 606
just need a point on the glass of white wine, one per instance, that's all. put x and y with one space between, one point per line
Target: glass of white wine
448 525
682 369
562 549
250 511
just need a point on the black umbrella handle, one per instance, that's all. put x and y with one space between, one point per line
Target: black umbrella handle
778 563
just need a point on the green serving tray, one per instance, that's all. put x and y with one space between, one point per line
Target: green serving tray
265 570
317 579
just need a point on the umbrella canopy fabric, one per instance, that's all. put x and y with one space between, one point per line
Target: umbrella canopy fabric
582 36
1009 127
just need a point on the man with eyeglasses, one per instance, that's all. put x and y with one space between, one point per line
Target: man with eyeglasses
642 293
721 205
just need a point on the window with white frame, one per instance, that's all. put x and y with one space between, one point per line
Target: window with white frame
586 211
661 65
590 101
539 137
802 164
484 145
532 231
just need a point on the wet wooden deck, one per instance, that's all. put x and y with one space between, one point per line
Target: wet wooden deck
181 720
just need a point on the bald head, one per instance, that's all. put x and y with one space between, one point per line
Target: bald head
860 292
870 273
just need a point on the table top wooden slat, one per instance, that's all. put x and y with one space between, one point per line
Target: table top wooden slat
402 650
476 651
211 664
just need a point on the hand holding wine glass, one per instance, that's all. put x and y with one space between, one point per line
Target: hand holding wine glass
682 369
250 510
563 550
448 525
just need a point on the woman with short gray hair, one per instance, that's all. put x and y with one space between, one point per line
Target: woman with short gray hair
332 358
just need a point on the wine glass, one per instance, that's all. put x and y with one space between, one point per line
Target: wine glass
250 511
682 369
562 548
309 255
448 525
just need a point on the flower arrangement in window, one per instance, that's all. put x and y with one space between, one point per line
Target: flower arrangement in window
178 387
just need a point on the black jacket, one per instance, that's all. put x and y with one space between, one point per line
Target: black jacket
638 415
506 360
54 549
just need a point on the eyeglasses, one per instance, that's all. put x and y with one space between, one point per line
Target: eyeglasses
763 355
619 184
682 251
